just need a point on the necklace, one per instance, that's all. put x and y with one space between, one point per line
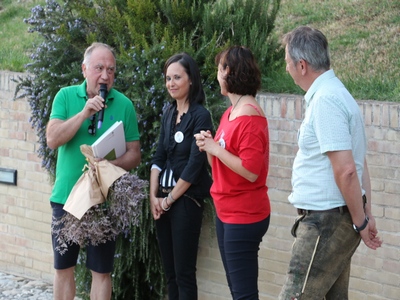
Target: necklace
237 103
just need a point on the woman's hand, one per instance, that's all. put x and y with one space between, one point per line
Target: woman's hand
205 142
155 206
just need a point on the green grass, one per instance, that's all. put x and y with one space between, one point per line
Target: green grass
364 37
15 40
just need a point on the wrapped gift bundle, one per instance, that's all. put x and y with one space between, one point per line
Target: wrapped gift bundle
105 202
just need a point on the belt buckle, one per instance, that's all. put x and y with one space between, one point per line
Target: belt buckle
301 211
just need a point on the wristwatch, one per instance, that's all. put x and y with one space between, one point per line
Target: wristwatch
362 227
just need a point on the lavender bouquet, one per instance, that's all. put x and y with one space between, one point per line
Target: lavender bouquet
105 221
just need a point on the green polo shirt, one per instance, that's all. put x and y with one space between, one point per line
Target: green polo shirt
70 161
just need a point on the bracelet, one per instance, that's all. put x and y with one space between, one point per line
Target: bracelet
162 205
170 197
362 227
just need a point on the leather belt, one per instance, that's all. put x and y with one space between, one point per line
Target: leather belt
341 209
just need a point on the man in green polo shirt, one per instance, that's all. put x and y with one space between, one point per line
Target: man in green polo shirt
71 125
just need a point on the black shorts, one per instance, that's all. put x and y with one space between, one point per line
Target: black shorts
99 258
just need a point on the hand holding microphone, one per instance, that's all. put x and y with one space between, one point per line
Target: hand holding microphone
103 94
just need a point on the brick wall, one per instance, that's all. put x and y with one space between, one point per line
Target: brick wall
25 246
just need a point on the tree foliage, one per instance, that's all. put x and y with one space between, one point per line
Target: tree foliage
144 34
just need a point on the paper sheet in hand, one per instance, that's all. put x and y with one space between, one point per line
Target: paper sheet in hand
111 144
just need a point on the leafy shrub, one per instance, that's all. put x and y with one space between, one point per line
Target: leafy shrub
144 34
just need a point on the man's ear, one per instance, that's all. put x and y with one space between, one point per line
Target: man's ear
84 70
303 66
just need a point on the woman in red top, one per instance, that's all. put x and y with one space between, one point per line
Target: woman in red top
239 156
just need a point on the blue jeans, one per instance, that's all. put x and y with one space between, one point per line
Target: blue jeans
321 257
239 245
178 233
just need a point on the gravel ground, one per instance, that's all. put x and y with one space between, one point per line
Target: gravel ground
16 287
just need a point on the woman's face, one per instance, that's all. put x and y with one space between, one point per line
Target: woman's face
177 82
222 73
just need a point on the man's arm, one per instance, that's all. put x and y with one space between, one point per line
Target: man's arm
346 178
131 158
59 132
366 185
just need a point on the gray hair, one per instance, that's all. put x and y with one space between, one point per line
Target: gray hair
92 47
308 44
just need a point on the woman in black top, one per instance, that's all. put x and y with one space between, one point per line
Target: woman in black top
179 179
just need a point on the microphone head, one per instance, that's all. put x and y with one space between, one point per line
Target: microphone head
103 91
103 87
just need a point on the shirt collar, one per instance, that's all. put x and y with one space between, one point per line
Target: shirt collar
317 83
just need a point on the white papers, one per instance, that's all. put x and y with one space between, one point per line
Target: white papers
111 144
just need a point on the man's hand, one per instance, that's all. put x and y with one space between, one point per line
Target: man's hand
370 235
92 106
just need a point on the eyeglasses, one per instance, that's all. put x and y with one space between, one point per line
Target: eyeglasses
92 126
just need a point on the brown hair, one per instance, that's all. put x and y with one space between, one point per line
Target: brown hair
244 77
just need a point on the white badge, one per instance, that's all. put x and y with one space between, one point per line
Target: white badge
222 143
221 140
179 137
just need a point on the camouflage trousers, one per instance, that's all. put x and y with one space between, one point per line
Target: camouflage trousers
321 256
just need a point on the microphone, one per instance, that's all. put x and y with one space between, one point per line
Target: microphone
103 94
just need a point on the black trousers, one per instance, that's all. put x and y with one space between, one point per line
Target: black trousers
239 245
178 232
